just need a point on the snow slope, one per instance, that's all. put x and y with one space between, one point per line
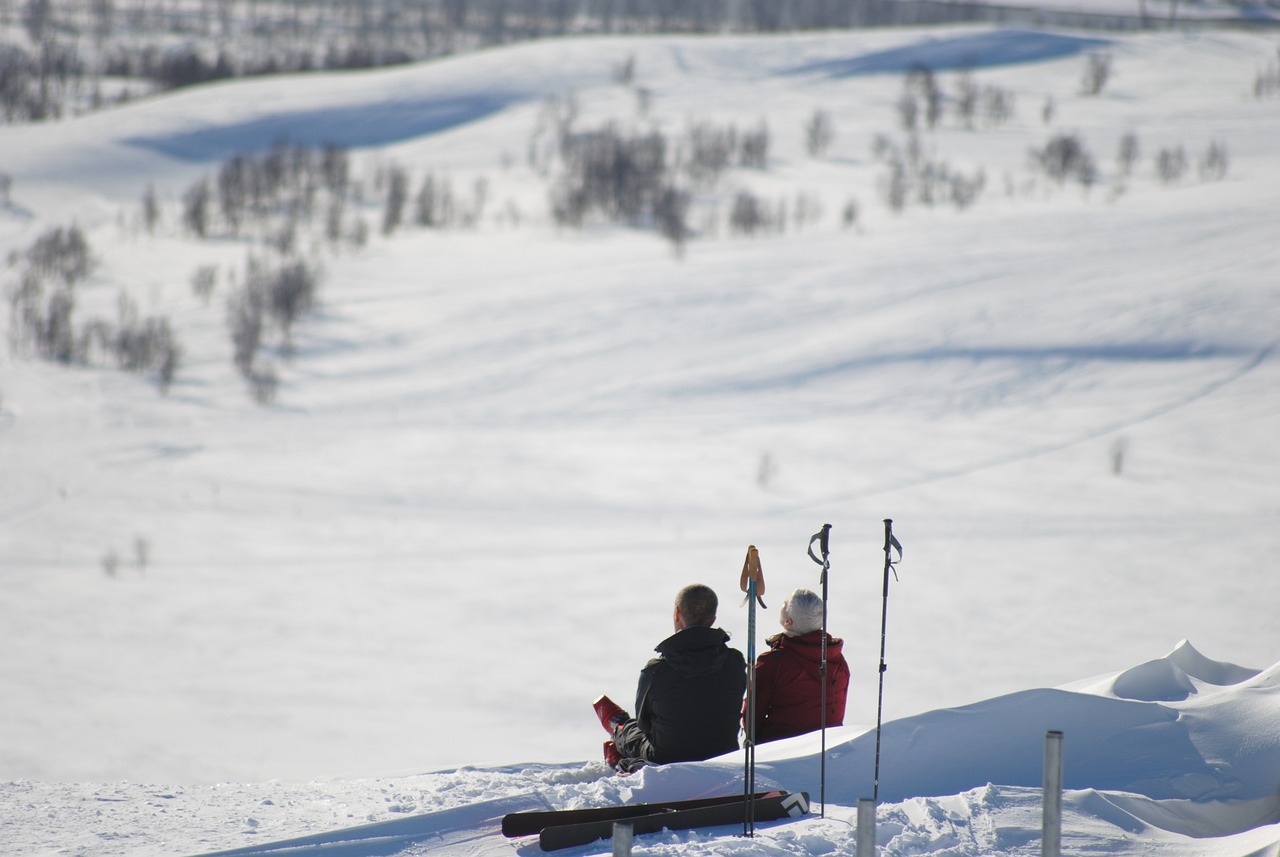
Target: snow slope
1192 772
497 453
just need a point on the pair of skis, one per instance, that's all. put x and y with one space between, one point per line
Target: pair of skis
567 828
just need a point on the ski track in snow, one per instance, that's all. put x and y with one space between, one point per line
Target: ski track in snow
1100 431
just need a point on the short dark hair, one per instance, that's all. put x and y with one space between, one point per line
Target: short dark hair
697 604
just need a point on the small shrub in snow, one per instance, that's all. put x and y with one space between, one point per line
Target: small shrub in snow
42 315
908 112
1128 152
1097 71
1267 82
754 152
433 204
624 73
1064 158
195 209
707 151
144 344
203 282
920 97
966 99
849 214
1213 166
274 296
998 106
1171 164
749 214
397 196
819 133
994 105
150 210
670 215
62 254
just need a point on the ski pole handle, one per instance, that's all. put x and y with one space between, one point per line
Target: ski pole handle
821 538
890 544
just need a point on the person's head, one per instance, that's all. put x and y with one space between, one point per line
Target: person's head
696 605
801 613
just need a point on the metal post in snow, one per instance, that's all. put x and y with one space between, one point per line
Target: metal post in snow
1051 834
623 832
866 827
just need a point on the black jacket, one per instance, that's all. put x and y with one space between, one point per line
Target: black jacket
689 699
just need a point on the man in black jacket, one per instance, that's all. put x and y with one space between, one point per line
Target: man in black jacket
689 699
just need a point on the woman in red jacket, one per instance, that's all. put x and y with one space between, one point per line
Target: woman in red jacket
788 683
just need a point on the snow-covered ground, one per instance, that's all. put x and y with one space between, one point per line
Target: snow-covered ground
496 453
1176 756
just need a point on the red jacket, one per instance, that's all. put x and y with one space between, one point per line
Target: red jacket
789 687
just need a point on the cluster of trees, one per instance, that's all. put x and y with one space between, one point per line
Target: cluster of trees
750 214
642 178
76 46
276 292
923 103
281 194
281 185
914 177
286 198
42 314
618 176
1066 157
39 86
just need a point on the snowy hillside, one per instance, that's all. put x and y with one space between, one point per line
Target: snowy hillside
425 528
1176 756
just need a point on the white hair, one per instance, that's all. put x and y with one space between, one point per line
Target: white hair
804 608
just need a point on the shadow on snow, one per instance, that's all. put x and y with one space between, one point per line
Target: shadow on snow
977 50
355 126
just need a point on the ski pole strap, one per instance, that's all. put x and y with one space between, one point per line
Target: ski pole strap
751 571
821 538
891 543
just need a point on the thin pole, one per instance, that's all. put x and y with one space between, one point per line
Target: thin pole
866 830
889 544
1051 828
752 583
821 537
623 833
749 821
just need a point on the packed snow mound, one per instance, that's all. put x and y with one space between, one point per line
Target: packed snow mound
1204 748
1182 673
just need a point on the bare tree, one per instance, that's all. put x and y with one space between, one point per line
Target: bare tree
397 196
1097 71
819 132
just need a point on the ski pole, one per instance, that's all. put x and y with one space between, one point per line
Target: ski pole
821 538
752 583
889 544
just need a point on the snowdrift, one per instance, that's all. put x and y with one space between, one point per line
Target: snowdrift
1197 775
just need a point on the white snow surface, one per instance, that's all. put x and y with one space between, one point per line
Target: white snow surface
498 452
